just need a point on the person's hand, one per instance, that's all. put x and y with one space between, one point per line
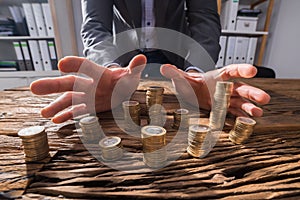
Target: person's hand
94 88
198 88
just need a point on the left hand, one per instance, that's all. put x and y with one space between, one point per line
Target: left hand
100 89
202 85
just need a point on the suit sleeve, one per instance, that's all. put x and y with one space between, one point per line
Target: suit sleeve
204 25
96 31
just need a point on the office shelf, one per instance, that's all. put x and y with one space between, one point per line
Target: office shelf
25 38
263 34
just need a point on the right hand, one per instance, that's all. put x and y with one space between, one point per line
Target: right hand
198 88
104 89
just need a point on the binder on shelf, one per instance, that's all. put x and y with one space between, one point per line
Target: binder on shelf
251 50
48 19
18 16
221 58
16 13
53 57
35 55
19 54
26 54
31 24
229 14
39 19
241 50
230 50
45 55
7 65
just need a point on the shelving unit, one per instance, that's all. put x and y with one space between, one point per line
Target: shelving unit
241 33
2 38
23 78
262 34
10 79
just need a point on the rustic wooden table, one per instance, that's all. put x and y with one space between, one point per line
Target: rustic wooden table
267 166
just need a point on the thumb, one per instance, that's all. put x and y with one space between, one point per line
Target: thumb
137 64
171 72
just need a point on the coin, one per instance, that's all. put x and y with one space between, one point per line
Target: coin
91 129
154 146
154 99
31 132
220 105
111 148
131 111
196 138
242 130
35 143
181 118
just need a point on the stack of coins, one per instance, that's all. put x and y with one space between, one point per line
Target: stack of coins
220 104
154 98
196 137
181 118
242 129
111 148
131 111
35 143
154 142
91 129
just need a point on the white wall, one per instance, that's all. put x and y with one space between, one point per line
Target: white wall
64 27
283 47
78 21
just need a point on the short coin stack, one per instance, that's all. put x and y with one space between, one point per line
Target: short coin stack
111 148
220 104
35 143
91 129
196 137
181 119
154 142
131 111
154 99
242 129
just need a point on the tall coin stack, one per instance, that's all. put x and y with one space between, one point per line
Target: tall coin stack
35 143
154 142
131 111
154 99
181 118
196 138
242 129
220 104
91 130
111 148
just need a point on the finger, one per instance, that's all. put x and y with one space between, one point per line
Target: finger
82 65
137 64
59 84
195 74
237 112
61 103
67 63
246 106
237 71
251 93
71 113
172 72
183 83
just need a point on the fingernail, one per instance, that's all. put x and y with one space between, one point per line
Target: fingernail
256 112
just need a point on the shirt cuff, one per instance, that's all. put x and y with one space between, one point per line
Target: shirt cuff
112 64
194 68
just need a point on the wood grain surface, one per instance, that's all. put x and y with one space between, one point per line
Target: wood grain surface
267 166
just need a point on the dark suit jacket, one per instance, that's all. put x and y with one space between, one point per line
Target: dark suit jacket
111 30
